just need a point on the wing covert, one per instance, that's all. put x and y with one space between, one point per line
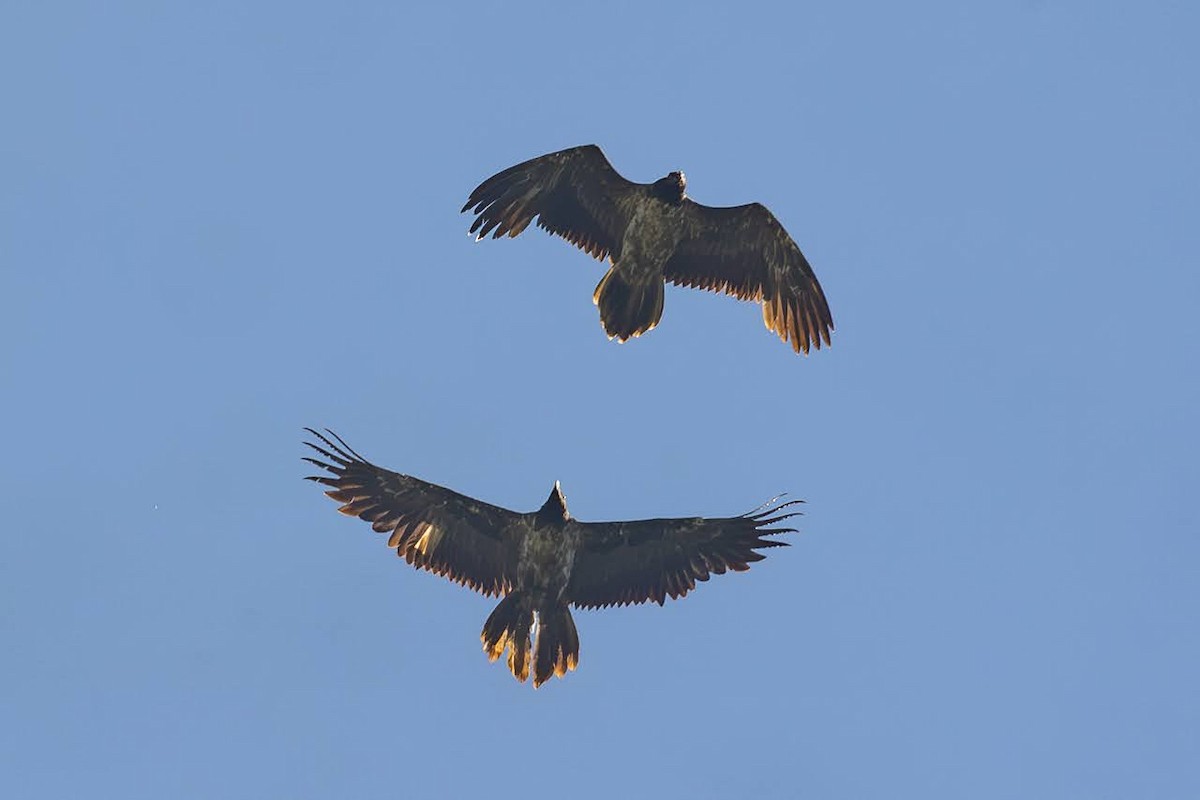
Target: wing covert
431 527
623 563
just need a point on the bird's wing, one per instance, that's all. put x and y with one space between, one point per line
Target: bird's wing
574 193
432 527
620 563
745 252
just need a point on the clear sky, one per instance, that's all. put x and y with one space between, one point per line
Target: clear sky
223 221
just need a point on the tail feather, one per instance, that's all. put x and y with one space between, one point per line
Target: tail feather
557 645
628 310
508 627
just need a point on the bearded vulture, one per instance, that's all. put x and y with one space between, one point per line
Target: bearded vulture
651 233
544 561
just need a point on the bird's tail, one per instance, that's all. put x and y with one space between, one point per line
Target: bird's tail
509 626
557 645
627 309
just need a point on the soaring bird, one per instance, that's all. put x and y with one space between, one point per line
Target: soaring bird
544 561
651 233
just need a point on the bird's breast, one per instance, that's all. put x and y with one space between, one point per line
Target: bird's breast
653 232
547 557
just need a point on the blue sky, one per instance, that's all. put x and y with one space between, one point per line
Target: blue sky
221 222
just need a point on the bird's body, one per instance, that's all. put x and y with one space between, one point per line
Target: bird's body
630 296
651 234
547 555
541 562
650 239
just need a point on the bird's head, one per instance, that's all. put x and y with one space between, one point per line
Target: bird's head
671 189
554 510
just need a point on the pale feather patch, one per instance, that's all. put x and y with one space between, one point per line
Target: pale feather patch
430 537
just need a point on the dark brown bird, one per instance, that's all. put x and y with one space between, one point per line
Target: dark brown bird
651 233
544 561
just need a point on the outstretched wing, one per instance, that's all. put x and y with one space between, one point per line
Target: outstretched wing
574 193
432 527
620 563
745 252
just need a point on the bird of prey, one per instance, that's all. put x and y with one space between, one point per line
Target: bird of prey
544 561
651 233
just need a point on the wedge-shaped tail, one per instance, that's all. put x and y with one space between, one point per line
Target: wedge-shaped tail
509 628
628 310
